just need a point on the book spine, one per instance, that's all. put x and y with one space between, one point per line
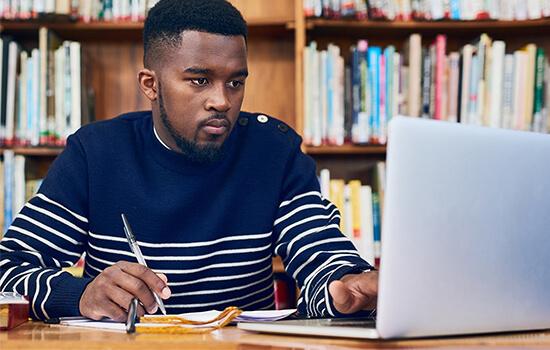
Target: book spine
380 125
440 47
374 54
508 92
9 159
367 226
415 75
465 77
356 94
377 229
495 83
531 51
454 80
426 83
13 59
539 91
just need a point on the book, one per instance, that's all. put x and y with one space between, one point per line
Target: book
14 310
495 77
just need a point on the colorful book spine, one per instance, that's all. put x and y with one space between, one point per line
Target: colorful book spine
538 103
440 47
374 54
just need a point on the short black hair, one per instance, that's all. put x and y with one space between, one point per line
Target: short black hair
169 18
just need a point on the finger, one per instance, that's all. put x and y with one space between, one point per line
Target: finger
113 311
127 287
342 298
151 279
141 310
123 298
366 283
163 277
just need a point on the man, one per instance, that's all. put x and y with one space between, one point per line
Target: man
211 193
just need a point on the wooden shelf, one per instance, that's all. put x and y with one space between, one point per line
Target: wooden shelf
103 31
37 151
406 27
345 150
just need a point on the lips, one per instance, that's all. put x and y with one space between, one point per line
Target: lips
216 126
218 123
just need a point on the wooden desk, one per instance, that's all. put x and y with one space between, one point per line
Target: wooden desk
35 335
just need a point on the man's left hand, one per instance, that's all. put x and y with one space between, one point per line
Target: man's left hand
354 293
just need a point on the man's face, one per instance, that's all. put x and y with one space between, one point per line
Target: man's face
200 92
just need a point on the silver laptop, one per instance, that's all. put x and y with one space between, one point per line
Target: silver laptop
466 236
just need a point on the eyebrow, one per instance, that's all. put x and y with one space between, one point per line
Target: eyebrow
206 71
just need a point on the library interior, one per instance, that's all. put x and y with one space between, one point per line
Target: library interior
337 72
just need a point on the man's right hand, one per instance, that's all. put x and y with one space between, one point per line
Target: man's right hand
110 293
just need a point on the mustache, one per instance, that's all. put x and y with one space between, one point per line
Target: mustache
220 117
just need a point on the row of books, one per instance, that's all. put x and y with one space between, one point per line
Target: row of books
15 188
44 92
85 10
361 208
406 10
482 85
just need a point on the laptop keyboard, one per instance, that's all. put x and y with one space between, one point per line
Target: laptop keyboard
358 323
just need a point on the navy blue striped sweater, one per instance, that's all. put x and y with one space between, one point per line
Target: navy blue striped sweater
212 229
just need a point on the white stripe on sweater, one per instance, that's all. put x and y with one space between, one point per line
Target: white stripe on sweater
311 193
27 274
314 230
224 301
56 217
184 258
30 250
328 276
5 276
79 217
217 291
323 280
329 309
14 277
308 219
299 209
207 267
182 245
313 256
48 291
316 243
36 292
46 242
48 228
219 278
309 288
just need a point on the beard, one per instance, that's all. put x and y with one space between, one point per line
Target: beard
208 153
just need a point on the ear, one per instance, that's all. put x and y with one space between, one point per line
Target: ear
147 80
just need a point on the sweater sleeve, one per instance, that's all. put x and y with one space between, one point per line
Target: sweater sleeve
308 238
48 234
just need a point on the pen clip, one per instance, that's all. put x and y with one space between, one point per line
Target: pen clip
132 316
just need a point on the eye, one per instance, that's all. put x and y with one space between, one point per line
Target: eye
200 81
235 83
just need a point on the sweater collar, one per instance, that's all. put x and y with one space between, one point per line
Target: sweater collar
158 137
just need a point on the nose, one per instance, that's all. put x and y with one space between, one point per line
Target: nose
218 99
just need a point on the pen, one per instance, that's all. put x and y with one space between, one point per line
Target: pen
137 252
132 316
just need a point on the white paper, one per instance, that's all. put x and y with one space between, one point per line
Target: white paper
12 298
245 316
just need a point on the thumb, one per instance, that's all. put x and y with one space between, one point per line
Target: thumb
342 297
